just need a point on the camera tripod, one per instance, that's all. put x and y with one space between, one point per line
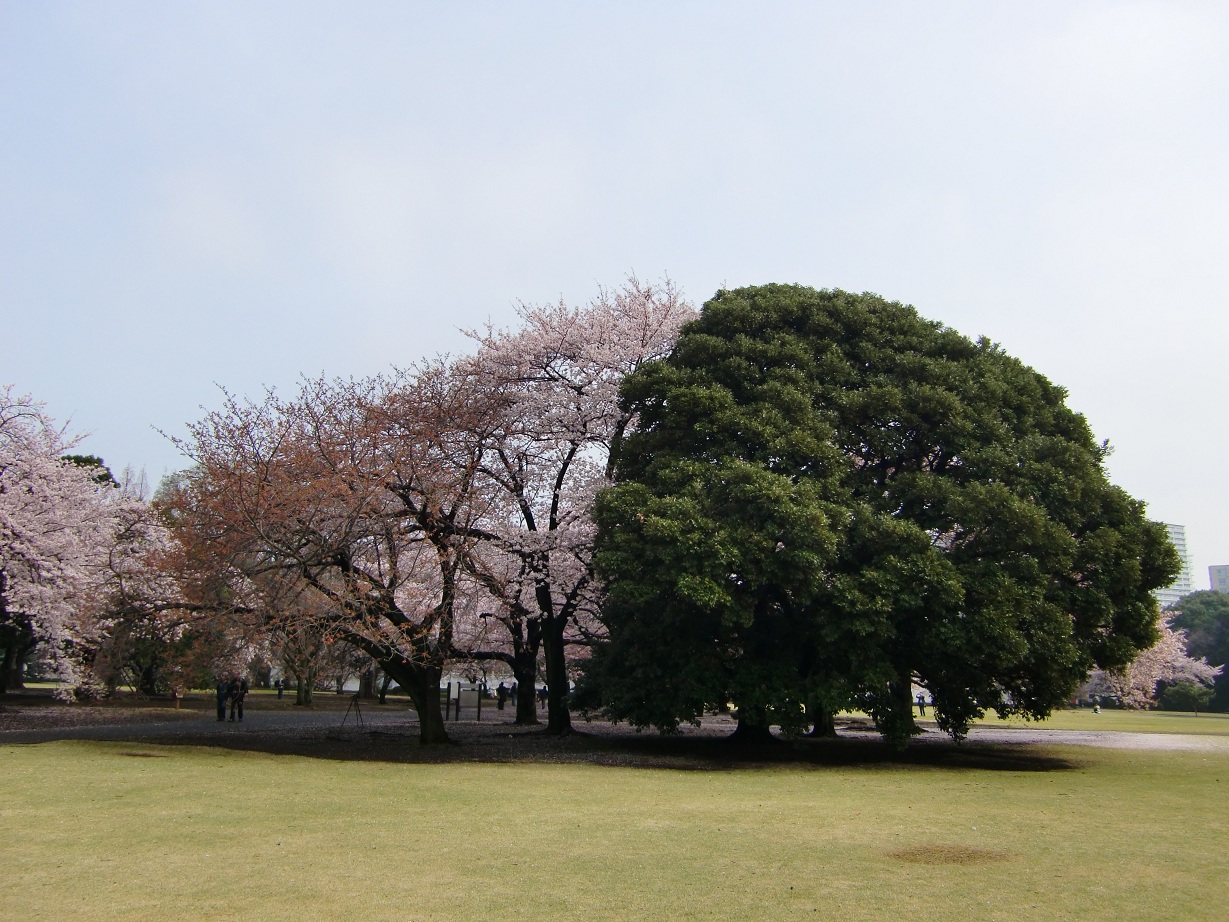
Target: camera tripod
356 709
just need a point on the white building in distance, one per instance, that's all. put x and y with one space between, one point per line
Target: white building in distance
1185 583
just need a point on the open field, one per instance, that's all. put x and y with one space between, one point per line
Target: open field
140 831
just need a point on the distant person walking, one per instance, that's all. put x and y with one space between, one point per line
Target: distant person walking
236 692
223 693
542 695
921 704
501 695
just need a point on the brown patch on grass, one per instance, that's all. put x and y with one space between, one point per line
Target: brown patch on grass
949 854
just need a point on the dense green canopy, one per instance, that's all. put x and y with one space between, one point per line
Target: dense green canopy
829 498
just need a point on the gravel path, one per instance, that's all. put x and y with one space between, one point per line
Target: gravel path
390 733
1105 739
43 724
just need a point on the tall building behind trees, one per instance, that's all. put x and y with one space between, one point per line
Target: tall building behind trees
1218 577
1185 583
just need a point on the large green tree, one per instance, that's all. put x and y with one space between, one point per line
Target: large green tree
829 498
1205 618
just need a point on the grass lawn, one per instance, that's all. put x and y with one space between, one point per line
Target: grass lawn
127 831
1123 721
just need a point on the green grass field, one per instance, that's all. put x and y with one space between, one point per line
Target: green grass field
1123 721
126 831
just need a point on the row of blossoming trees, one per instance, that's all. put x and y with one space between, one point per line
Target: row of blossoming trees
437 514
434 514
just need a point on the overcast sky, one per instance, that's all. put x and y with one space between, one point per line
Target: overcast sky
238 194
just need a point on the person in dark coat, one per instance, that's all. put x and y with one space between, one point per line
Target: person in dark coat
223 693
237 691
501 695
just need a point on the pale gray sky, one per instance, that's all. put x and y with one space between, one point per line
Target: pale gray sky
241 193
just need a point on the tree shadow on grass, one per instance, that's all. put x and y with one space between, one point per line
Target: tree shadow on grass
845 751
507 744
392 736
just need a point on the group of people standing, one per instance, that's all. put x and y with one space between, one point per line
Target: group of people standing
231 692
503 693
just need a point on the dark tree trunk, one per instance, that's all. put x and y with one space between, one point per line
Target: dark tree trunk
147 682
903 692
10 670
19 643
559 717
752 731
385 681
526 698
304 683
897 724
526 641
422 683
823 722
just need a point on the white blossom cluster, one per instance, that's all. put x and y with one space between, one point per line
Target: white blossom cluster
58 535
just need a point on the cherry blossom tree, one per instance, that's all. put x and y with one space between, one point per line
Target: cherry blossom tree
1166 662
60 534
363 492
146 640
557 378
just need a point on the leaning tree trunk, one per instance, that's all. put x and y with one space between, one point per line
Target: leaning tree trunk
559 717
422 683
